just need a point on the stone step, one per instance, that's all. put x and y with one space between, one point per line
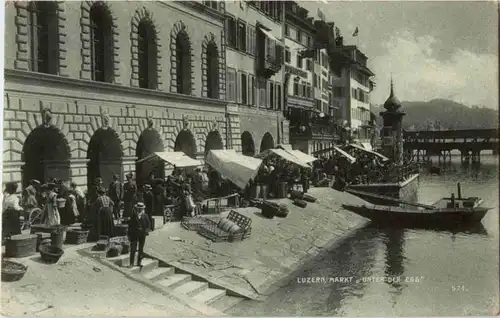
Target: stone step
120 260
191 288
159 273
209 295
175 280
148 265
226 302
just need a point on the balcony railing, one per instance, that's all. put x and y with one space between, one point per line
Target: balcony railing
313 130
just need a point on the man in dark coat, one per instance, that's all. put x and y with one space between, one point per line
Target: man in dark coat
129 195
148 202
138 229
115 192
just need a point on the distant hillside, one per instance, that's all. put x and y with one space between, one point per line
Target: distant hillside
445 113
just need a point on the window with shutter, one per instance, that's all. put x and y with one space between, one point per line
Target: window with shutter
102 54
231 85
272 96
242 36
238 87
262 94
212 70
252 91
244 89
231 32
147 54
183 56
279 97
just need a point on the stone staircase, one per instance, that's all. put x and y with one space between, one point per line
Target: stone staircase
179 283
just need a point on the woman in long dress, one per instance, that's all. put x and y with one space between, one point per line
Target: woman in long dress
11 224
51 211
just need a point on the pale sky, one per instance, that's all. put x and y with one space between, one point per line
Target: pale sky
434 49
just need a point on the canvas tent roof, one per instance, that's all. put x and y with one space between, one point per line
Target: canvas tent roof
381 156
176 158
303 156
283 154
237 168
345 154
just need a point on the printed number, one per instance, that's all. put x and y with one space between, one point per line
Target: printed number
458 288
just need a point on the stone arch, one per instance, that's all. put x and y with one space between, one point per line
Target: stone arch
22 37
46 154
180 32
247 144
150 141
213 142
210 67
141 15
186 143
105 156
267 142
85 35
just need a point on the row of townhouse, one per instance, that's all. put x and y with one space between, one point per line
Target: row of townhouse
92 87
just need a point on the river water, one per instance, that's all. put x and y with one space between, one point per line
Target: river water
440 273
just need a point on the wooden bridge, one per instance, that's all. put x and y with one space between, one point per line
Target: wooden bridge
470 143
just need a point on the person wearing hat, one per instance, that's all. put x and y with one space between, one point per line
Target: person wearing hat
103 213
148 199
11 211
129 195
138 228
29 199
51 212
115 192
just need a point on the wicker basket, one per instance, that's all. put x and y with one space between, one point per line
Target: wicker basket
125 247
41 237
40 228
282 211
300 203
12 271
309 198
296 195
121 229
114 250
269 209
76 237
50 254
21 245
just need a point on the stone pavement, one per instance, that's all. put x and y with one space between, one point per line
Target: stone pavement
81 286
276 247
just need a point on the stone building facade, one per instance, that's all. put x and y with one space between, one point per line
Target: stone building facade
91 87
254 91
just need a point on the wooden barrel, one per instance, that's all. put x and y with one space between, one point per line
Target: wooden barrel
21 245
41 236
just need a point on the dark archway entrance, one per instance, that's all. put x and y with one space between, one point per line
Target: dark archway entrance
46 155
186 143
213 142
105 156
267 142
149 142
247 144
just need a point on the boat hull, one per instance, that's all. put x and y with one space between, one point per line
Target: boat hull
409 217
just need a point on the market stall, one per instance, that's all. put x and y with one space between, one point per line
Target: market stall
175 158
237 168
284 155
297 153
345 154
360 148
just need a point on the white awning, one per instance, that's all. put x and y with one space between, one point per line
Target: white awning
286 147
283 154
303 156
237 168
345 154
176 158
269 35
381 156
367 146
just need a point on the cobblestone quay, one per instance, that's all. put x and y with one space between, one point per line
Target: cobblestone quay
274 250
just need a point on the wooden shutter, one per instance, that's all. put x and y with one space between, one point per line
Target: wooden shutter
238 87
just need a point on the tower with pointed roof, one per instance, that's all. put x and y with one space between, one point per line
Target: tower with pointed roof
392 131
